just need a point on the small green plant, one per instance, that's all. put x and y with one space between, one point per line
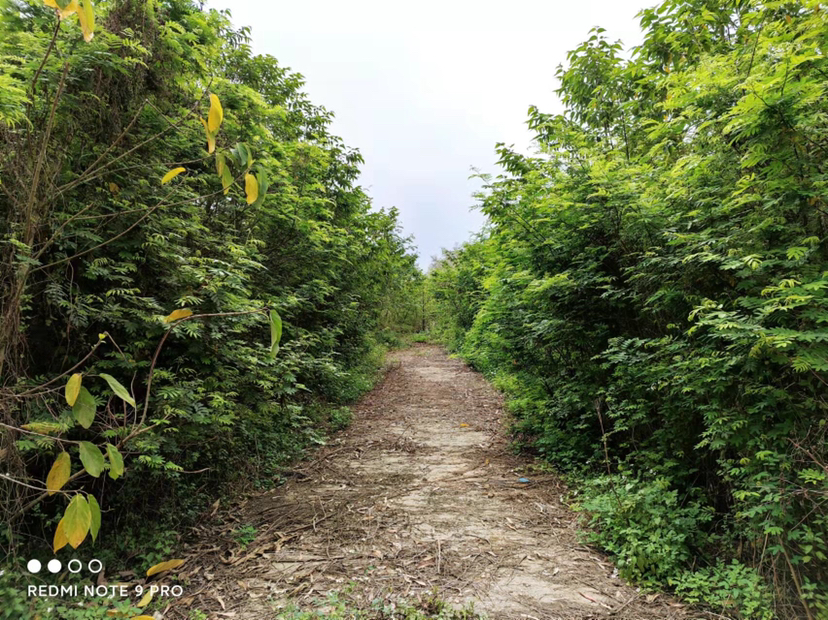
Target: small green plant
651 533
340 418
244 535
733 589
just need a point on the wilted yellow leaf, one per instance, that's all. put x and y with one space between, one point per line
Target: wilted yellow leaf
72 389
71 8
113 187
86 16
175 315
216 114
59 474
164 566
211 137
251 188
171 175
145 600
44 428
60 540
142 618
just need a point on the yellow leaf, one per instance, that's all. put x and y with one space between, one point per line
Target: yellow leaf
463 425
143 618
113 187
51 3
216 114
72 389
86 16
77 520
59 474
71 8
211 137
145 600
171 175
175 315
164 566
251 188
44 428
60 540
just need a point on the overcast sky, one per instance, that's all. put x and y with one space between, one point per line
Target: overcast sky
425 89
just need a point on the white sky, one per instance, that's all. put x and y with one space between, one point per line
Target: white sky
424 90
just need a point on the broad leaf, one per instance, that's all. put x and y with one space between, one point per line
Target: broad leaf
216 114
176 315
172 174
145 600
164 566
264 183
60 540
86 16
92 459
59 474
95 513
84 408
116 462
77 520
251 188
211 137
275 332
73 387
226 179
44 428
119 389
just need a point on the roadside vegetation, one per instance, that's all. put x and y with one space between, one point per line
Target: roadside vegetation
192 284
650 291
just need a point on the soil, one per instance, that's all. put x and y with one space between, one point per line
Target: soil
421 494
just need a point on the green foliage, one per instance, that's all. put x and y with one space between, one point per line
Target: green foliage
731 588
651 533
137 302
650 290
244 535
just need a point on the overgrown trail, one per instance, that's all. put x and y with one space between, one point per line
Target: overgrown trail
420 493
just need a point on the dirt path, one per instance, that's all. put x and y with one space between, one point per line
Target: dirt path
420 493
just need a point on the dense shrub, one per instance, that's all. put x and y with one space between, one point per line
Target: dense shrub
96 250
653 282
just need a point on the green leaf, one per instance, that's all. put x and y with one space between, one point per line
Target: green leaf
264 183
116 387
84 408
116 462
95 512
77 520
92 459
275 332
59 474
226 179
73 386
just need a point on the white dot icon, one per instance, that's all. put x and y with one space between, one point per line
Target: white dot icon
54 566
34 566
